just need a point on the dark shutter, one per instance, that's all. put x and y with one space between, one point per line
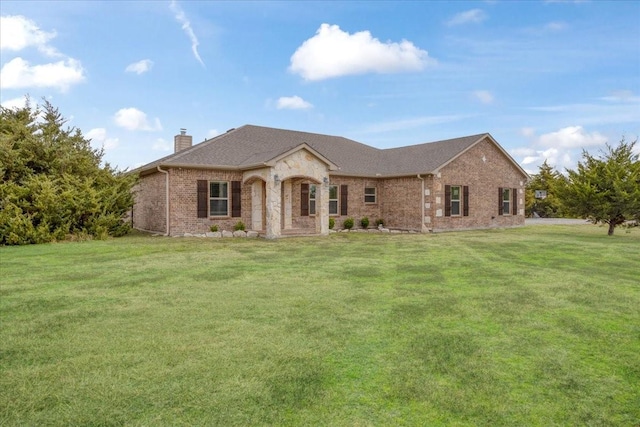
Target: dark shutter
447 200
236 198
203 198
304 200
500 201
514 209
465 200
344 193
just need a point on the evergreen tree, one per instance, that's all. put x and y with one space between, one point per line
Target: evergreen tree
550 181
53 185
606 189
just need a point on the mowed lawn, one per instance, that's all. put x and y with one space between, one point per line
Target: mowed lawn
530 326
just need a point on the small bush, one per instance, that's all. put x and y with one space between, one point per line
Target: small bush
214 228
332 223
348 223
379 222
364 222
239 226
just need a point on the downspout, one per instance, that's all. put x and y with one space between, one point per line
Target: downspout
422 227
166 186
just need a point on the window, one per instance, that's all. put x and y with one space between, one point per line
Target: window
455 200
369 194
506 201
219 198
333 200
312 199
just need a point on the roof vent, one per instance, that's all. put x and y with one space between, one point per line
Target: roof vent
231 130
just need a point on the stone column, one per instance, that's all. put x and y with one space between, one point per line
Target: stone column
286 203
322 208
256 205
273 201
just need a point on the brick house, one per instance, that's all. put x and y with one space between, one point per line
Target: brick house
289 182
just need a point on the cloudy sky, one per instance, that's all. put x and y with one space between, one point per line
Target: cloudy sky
545 78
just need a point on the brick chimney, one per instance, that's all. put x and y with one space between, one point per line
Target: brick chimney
182 141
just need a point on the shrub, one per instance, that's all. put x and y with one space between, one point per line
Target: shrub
348 223
332 223
379 222
364 222
239 226
214 228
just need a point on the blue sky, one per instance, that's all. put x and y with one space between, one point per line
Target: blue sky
546 79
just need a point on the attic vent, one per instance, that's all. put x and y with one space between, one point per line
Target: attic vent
231 130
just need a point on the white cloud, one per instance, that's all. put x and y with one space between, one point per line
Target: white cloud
397 125
293 103
99 139
571 137
18 73
333 53
139 67
555 26
15 103
483 96
161 145
560 148
181 17
473 16
621 96
212 132
522 151
528 132
134 119
18 32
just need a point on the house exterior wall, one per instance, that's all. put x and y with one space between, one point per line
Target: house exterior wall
356 206
401 203
484 168
149 208
183 201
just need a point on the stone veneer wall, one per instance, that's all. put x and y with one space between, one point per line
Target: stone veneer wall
149 208
484 168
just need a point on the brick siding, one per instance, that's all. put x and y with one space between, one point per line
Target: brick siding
484 168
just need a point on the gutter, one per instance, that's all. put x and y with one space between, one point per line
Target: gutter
166 186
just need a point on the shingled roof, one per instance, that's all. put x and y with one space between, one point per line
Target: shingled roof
252 146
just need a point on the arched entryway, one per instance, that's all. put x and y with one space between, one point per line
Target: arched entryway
276 193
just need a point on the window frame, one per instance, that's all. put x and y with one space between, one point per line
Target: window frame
336 200
212 198
374 195
312 199
506 202
456 202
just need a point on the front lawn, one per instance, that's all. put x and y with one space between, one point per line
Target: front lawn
531 326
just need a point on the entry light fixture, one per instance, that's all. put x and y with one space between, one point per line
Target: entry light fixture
325 180
276 179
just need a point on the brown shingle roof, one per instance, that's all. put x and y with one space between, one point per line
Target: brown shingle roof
251 146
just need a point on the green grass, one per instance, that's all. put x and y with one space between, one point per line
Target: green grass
530 326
